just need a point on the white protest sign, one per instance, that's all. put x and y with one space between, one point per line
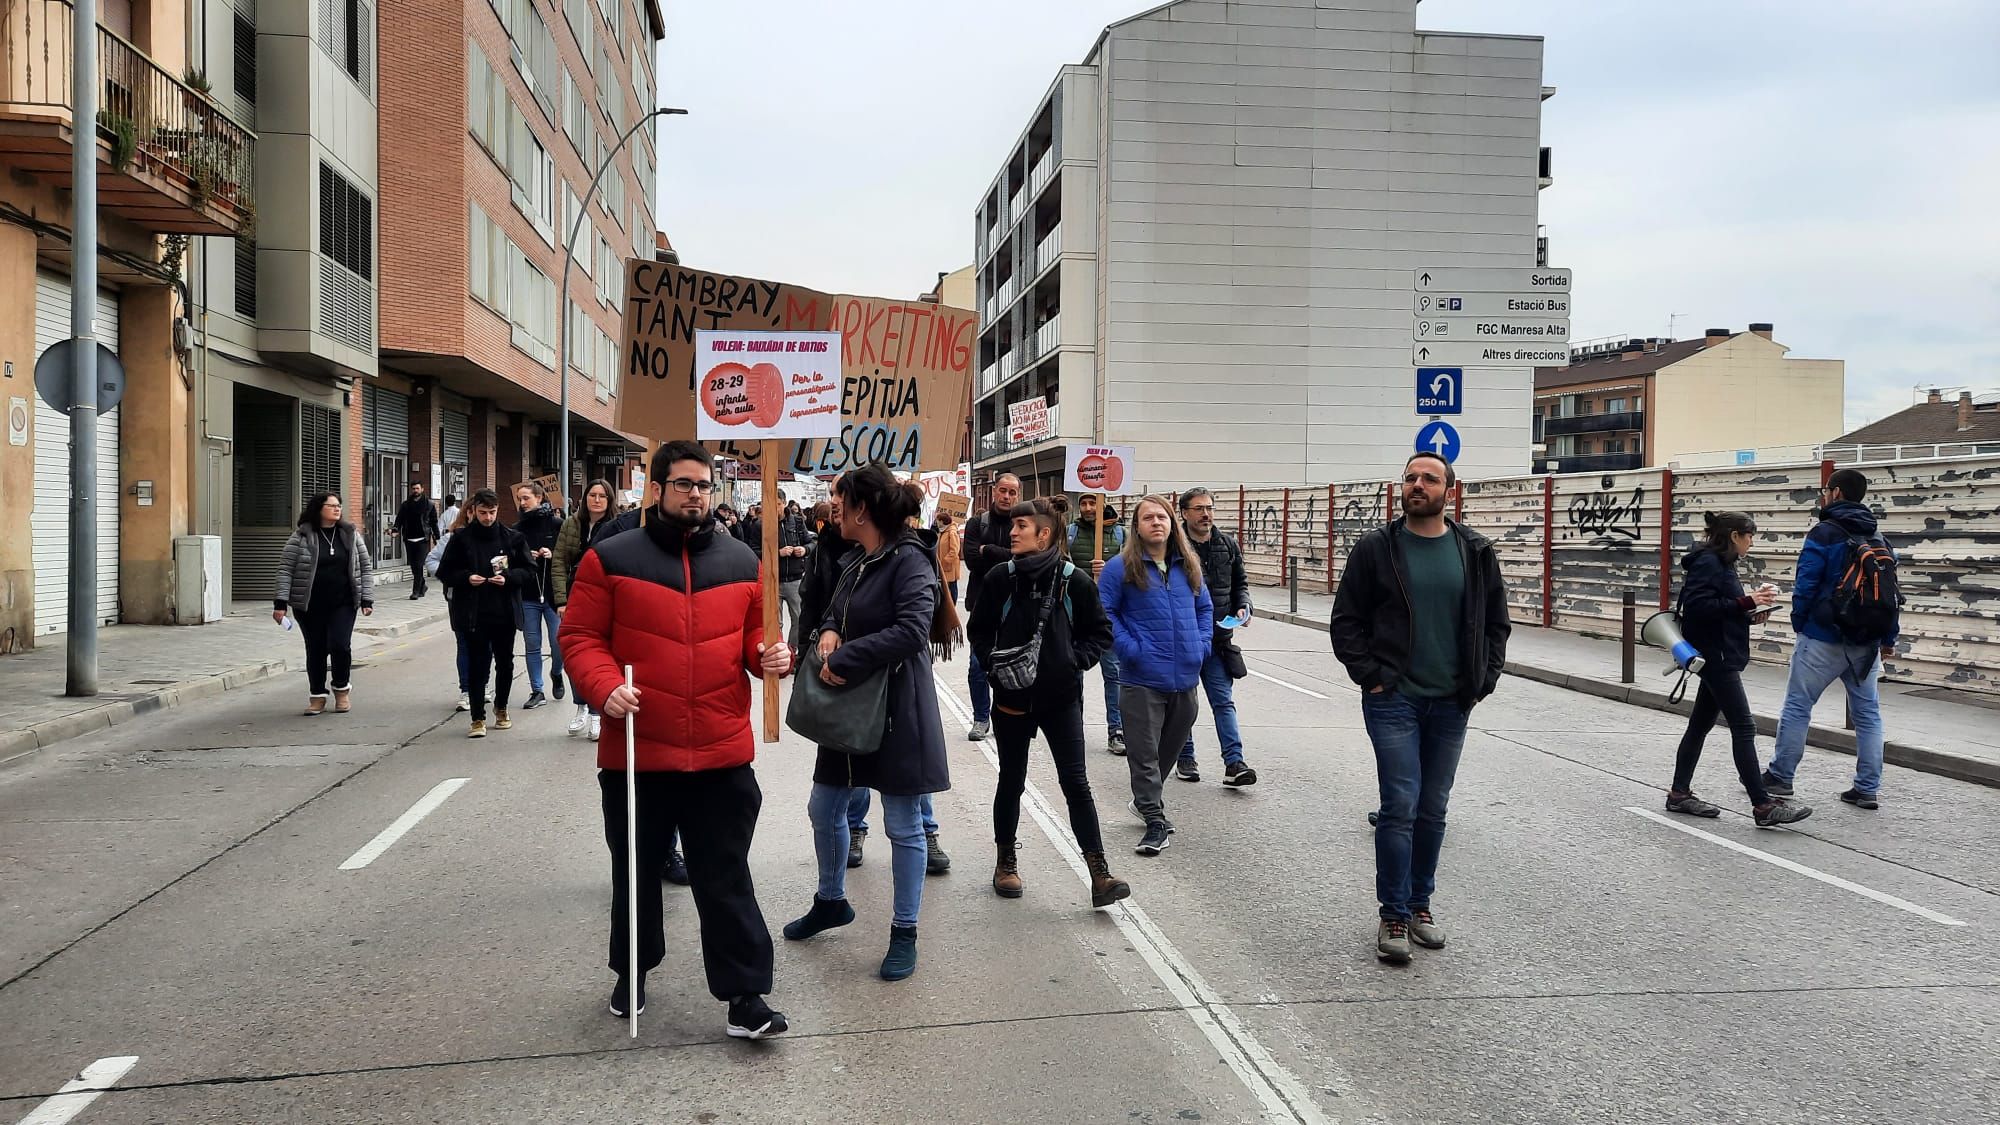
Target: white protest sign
757 385
1098 468
1028 420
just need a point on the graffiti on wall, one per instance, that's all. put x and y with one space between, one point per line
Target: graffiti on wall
1607 516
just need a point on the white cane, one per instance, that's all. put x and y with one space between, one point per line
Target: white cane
631 870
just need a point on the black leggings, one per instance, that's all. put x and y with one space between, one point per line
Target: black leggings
1064 730
1722 694
329 636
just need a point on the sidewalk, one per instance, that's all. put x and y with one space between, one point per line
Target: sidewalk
144 668
1929 729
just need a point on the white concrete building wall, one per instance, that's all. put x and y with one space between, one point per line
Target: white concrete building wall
1271 175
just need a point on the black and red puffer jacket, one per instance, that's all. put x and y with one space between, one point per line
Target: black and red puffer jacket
684 609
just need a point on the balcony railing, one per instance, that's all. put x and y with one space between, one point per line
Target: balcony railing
177 162
1048 250
989 378
1009 363
1608 422
1046 336
1016 207
989 445
1045 170
1590 463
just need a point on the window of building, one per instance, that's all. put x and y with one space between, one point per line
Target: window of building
492 255
1614 406
576 119
346 33
582 24
246 279
580 345
533 172
607 365
642 74
244 53
610 280
489 111
610 10
640 235
610 90
1614 445
533 52
531 301
346 223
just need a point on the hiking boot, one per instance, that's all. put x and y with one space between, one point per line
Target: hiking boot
1105 888
751 1018
621 997
1007 873
980 729
556 689
1155 840
580 723
676 869
1860 800
1691 805
343 700
478 729
936 862
854 839
500 719
1781 811
1236 775
316 705
825 914
535 699
901 960
1116 739
1186 770
1425 931
1776 786
1392 941
464 701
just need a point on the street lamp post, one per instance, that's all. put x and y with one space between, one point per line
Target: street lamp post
562 290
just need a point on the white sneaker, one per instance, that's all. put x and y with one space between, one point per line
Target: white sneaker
464 702
596 725
580 722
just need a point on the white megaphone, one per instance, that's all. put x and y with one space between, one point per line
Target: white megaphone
1663 630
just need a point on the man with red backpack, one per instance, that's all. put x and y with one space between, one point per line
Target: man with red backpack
1846 612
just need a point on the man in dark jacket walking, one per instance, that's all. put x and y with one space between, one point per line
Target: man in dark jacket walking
1229 586
485 565
1420 622
1083 553
1823 653
539 524
680 602
417 524
988 542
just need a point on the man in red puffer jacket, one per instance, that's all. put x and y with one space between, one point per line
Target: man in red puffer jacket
680 602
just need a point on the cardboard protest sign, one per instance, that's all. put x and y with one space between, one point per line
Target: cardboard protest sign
759 385
906 372
1028 420
1098 468
955 504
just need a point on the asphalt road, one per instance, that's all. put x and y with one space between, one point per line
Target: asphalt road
172 891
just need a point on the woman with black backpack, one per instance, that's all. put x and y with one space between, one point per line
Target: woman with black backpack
1716 616
1038 626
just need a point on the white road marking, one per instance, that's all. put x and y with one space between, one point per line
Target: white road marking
81 1090
1801 869
1287 684
1282 1095
373 849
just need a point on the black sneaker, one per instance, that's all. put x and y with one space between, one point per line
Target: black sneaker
936 862
676 870
1687 804
1238 775
1781 812
751 1018
855 838
1860 800
1187 771
556 688
1116 738
620 997
1155 840
980 729
1776 786
535 699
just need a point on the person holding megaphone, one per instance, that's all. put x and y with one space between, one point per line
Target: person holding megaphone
1716 614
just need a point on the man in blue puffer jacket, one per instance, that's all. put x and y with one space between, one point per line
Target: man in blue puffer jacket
1162 626
1823 654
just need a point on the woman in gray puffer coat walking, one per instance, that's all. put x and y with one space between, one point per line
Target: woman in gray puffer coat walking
325 575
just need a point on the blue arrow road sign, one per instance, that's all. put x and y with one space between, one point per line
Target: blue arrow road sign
1440 390
1438 437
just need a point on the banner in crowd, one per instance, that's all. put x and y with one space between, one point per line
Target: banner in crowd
1098 468
906 371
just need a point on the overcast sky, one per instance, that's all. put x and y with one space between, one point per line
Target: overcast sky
1832 166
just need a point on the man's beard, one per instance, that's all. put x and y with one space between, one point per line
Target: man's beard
1423 508
681 519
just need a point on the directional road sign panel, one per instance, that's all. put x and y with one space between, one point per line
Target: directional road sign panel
1495 353
1440 390
1452 280
1438 437
1551 306
1487 328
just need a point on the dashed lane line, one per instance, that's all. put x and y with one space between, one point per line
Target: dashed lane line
80 1091
425 805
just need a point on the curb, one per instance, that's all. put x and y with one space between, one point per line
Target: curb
17 745
1923 759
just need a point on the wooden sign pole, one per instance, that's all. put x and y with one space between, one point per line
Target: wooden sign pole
767 467
1097 552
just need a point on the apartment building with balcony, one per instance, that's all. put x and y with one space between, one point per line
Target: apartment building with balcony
503 111
176 166
1639 403
1202 243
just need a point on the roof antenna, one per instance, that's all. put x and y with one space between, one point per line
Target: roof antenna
1672 319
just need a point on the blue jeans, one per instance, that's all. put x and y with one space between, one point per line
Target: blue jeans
903 821
1815 665
1417 745
1108 664
534 615
857 812
982 693
1221 691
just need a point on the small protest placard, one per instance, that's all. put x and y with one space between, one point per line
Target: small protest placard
757 385
1097 468
1028 420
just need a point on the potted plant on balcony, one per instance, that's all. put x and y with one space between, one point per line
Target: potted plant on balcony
123 135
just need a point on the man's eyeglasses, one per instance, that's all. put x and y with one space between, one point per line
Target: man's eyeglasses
1201 509
688 486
